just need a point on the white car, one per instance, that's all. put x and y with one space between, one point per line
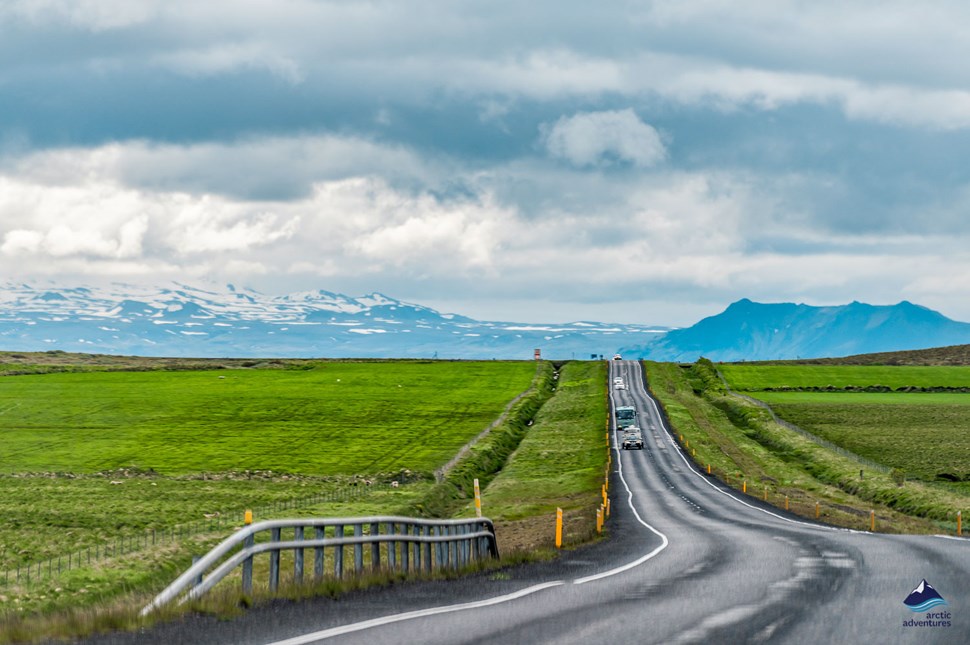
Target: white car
619 386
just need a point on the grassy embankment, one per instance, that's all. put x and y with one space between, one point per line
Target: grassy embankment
450 402
560 463
742 443
913 419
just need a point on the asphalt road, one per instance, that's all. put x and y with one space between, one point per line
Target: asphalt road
687 561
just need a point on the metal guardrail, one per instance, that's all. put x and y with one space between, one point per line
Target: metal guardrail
412 544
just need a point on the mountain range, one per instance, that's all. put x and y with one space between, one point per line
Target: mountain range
181 320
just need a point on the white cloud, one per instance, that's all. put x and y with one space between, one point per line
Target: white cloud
231 57
93 15
592 138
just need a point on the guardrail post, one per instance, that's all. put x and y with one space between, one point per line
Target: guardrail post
298 556
391 549
426 531
320 534
405 550
358 549
338 554
274 562
198 578
375 547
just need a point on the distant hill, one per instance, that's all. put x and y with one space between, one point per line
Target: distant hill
751 331
950 355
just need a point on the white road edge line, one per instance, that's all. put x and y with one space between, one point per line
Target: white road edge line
395 618
663 538
680 453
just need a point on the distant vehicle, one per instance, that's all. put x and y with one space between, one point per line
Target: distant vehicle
618 384
617 357
632 440
626 415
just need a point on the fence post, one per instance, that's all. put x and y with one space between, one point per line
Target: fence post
318 556
298 556
274 562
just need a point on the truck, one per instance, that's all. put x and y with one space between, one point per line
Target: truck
626 415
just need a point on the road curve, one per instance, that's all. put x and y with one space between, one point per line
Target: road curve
687 561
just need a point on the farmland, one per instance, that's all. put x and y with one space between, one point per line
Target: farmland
919 425
757 377
927 434
331 419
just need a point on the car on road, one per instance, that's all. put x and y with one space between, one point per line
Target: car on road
632 440
617 357
618 384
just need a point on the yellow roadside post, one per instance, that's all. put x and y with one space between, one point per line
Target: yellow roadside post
558 528
872 521
248 517
744 486
478 499
786 502
708 469
766 494
599 520
607 507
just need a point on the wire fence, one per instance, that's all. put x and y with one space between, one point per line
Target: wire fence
52 567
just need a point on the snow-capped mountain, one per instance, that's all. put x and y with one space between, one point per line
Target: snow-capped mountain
183 320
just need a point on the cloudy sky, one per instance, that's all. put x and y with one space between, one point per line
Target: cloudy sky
534 161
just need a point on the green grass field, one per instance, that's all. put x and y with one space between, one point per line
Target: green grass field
927 434
757 377
333 419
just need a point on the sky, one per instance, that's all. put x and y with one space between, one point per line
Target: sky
638 162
